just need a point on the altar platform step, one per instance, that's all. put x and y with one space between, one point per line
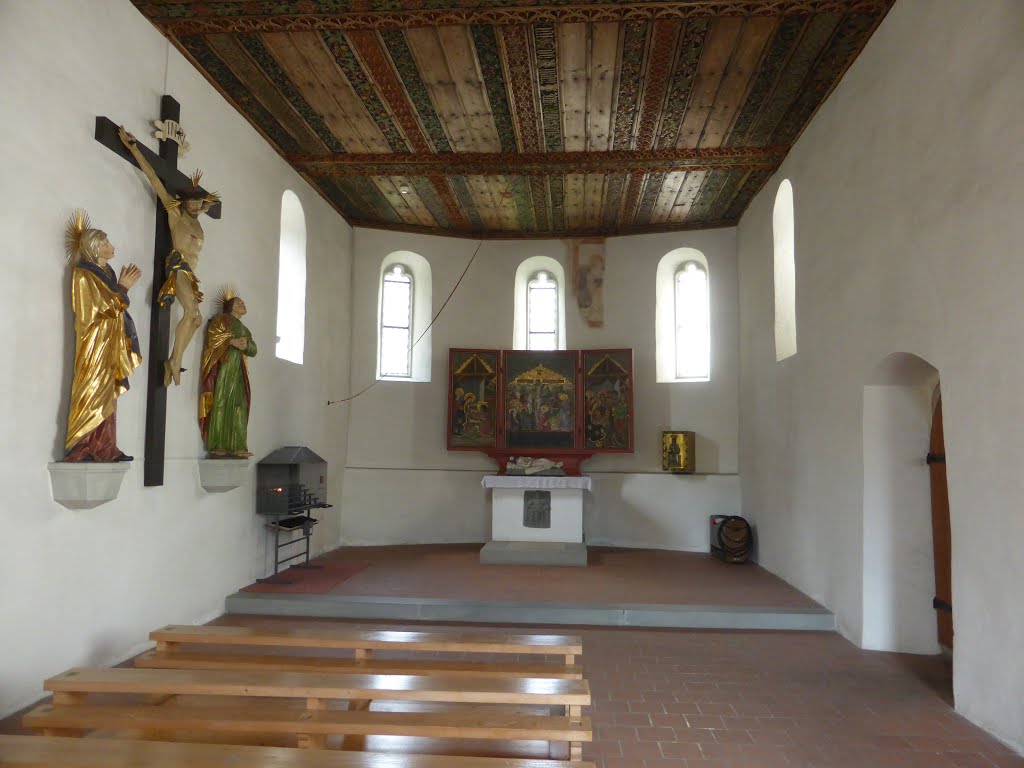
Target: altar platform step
534 553
619 588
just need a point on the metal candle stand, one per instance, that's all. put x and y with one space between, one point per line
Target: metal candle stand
284 494
296 515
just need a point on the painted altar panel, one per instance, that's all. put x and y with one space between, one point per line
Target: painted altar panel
539 399
472 399
608 400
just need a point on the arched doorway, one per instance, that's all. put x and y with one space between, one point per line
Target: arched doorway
899 575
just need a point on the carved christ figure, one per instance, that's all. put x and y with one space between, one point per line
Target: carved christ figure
183 213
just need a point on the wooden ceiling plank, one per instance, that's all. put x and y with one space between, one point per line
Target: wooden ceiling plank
480 189
429 55
739 76
521 82
575 200
398 201
505 204
603 62
305 57
667 198
714 60
573 84
660 61
232 53
458 49
311 84
375 60
816 35
687 195
594 202
413 200
629 82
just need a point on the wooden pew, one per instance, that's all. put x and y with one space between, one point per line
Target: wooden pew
175 659
364 642
55 752
72 713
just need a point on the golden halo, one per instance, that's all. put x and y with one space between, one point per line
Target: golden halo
77 224
226 294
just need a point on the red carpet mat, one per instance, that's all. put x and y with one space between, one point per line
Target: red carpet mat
309 581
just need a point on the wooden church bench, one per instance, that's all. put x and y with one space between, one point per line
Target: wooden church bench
474 723
56 752
365 641
174 659
72 688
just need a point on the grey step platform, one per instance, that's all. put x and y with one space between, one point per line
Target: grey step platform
533 553
531 613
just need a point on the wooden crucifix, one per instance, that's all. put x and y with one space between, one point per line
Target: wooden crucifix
165 168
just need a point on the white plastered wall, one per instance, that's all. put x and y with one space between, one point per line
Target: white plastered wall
907 188
86 587
402 486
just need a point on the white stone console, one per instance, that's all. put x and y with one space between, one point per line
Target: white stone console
521 539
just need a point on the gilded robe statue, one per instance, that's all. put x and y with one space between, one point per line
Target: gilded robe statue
106 344
225 395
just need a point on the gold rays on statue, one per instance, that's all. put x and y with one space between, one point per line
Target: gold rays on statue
77 224
224 295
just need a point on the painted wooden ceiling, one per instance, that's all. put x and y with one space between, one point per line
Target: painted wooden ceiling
526 118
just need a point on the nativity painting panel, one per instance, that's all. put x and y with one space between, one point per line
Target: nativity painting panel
472 397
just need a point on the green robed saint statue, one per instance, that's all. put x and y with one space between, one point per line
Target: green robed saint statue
225 395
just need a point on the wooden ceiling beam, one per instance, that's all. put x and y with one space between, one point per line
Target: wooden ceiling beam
541 163
193 18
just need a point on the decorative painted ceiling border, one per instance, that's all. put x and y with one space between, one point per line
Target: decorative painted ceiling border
196 18
541 163
552 234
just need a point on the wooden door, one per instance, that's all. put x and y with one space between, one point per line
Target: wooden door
941 534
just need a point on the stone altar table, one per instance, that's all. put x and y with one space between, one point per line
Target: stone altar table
536 520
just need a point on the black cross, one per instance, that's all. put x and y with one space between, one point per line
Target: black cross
166 167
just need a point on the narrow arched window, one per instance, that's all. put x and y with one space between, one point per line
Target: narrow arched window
396 300
542 312
291 281
692 331
539 312
784 236
682 312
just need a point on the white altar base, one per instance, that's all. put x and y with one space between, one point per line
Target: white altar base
513 543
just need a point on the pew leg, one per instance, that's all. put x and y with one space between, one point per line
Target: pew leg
558 750
575 718
356 743
313 740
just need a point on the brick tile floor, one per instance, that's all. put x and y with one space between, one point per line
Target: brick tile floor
711 699
453 571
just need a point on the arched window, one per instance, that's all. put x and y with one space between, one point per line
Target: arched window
682 317
783 231
693 342
291 280
542 312
396 340
539 321
403 335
